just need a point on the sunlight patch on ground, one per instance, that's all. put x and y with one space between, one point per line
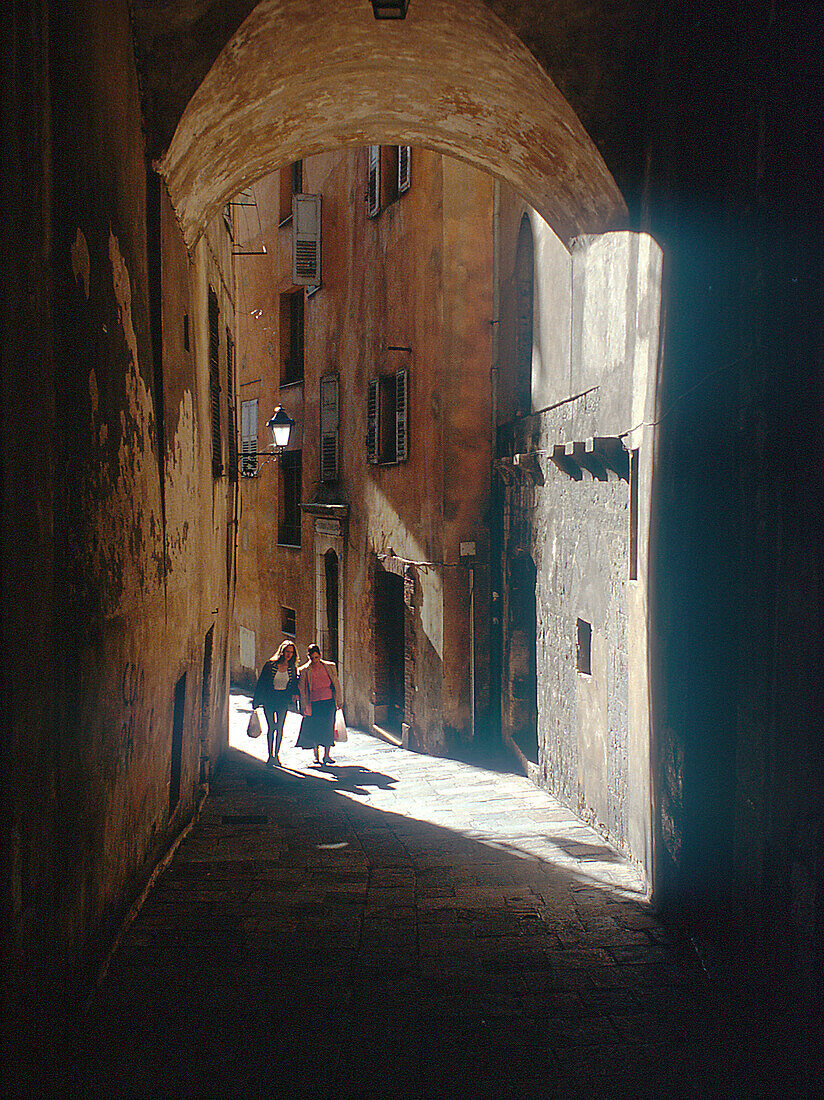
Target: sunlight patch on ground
506 812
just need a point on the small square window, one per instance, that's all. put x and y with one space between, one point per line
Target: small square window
583 647
288 621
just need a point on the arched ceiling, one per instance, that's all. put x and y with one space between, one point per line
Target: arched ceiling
298 78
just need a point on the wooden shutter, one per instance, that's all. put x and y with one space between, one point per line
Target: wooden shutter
372 422
249 438
402 415
373 187
306 242
404 168
214 383
329 427
230 405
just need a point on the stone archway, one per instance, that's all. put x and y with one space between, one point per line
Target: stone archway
298 78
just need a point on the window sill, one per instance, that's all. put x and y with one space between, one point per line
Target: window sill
291 383
288 545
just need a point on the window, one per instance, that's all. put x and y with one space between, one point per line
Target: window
291 475
249 438
329 427
583 647
404 168
373 182
230 406
306 240
389 176
291 183
633 515
186 331
387 418
292 337
288 621
214 382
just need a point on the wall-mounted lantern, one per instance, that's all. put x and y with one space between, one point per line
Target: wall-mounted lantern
390 9
281 425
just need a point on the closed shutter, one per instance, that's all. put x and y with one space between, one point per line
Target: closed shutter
249 438
373 187
401 415
230 405
372 422
214 383
329 427
306 239
404 168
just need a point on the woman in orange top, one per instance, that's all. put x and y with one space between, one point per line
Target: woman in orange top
321 695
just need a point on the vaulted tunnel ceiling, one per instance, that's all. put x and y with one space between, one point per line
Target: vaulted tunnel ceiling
234 89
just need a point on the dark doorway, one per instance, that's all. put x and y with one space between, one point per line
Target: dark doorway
389 647
206 702
177 743
522 655
330 564
525 291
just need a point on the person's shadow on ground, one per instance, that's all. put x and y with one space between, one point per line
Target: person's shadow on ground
355 778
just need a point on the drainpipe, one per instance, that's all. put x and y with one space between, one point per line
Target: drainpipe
472 651
495 636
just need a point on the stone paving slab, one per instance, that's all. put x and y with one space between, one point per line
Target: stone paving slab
372 929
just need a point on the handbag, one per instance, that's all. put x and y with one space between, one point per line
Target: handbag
257 722
340 726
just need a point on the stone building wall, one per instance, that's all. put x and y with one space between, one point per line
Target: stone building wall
130 534
591 365
408 289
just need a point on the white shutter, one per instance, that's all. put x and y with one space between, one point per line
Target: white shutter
329 427
372 422
249 437
306 234
401 415
404 168
373 187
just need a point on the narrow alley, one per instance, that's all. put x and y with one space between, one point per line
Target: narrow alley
395 925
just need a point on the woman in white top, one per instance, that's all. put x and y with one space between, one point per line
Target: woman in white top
276 688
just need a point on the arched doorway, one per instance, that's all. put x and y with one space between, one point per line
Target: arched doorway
331 573
524 321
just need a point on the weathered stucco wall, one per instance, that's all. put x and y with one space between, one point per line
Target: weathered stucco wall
415 278
136 532
570 513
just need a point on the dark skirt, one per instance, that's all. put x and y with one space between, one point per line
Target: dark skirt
319 727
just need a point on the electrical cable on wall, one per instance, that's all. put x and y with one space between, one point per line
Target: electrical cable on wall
644 423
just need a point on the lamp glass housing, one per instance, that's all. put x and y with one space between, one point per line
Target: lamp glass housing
281 425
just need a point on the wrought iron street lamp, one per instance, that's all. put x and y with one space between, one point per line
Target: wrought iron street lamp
281 425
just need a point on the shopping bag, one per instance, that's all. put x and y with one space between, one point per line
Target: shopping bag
257 723
340 726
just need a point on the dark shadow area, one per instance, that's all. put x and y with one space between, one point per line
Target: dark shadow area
585 852
339 950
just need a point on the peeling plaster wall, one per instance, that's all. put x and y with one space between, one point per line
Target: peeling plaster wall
130 542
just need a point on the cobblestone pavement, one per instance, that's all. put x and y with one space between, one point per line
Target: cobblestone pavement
395 925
